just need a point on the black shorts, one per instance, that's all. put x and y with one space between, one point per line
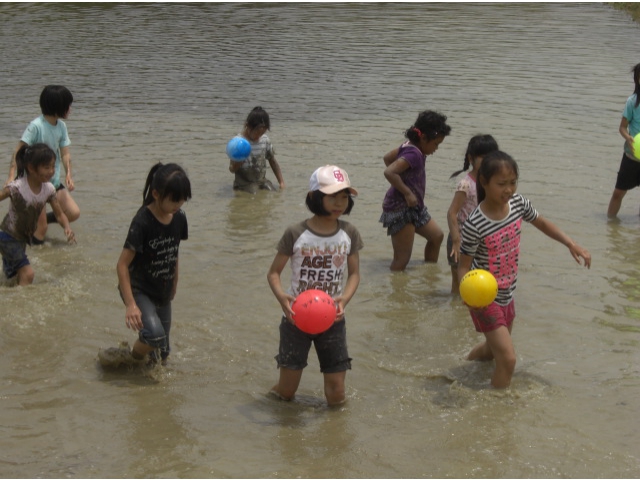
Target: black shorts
629 174
331 347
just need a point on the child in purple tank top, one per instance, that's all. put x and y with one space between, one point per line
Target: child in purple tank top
403 210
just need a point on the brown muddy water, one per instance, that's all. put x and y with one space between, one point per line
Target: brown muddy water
174 82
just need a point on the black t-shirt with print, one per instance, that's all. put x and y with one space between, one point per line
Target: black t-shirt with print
156 245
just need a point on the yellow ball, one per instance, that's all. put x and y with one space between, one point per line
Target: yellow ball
636 146
478 288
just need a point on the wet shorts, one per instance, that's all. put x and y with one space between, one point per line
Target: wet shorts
629 174
14 254
331 347
494 316
396 221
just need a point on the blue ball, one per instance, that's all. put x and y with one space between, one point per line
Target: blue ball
238 149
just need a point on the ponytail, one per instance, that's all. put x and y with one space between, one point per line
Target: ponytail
479 146
168 180
36 155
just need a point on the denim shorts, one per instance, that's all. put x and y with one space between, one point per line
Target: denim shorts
14 254
156 323
396 221
331 347
493 317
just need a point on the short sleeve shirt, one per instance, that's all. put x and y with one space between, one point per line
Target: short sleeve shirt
414 178
632 114
467 185
319 261
495 244
254 168
56 136
25 208
156 246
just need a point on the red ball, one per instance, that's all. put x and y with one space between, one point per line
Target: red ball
314 311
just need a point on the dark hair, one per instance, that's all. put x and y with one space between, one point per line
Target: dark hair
168 180
429 124
258 117
36 155
315 206
636 81
478 146
55 100
491 164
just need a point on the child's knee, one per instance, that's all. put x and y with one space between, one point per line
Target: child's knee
26 275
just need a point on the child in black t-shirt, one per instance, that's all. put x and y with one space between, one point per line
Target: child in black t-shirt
148 265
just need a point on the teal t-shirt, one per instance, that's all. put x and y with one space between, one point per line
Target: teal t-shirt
632 114
56 136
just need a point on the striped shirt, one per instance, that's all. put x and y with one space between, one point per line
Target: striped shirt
495 244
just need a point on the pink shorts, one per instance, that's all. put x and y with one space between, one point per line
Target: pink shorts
494 316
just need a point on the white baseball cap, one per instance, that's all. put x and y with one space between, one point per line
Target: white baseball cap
331 179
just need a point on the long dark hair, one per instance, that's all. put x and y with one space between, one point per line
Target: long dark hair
36 155
168 180
491 164
636 81
478 146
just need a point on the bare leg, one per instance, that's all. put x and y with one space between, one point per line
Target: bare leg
500 344
287 386
402 243
25 275
68 205
334 388
434 235
616 202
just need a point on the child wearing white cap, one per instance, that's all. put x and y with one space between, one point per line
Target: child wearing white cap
323 251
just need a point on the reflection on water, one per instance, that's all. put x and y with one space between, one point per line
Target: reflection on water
173 82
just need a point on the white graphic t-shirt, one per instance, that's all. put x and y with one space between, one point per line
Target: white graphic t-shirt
319 261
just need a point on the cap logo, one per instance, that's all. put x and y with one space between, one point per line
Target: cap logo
338 176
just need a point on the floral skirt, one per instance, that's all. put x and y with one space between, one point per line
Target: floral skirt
395 221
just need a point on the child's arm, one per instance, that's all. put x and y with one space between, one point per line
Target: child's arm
624 131
133 315
65 155
4 193
62 219
392 174
234 166
273 277
353 280
452 219
464 265
12 166
390 156
552 231
174 288
275 166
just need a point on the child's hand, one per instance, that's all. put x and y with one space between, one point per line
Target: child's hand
133 318
71 237
455 250
285 303
411 199
340 306
578 252
69 183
